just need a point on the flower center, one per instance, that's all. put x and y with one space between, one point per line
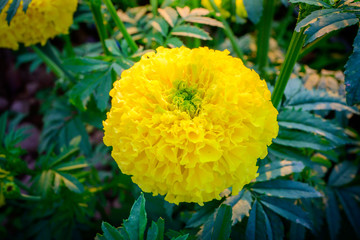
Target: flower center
186 98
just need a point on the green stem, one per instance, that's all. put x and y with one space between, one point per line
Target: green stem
196 42
49 62
228 32
52 60
154 6
296 43
68 46
263 38
121 25
95 6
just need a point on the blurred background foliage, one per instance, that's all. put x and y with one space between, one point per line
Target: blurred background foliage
58 180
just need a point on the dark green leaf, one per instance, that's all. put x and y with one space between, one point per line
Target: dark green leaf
278 168
343 173
312 17
113 47
307 122
329 23
174 42
3 4
352 77
3 122
201 215
241 205
254 9
218 227
256 225
110 232
12 10
71 182
285 189
289 153
26 4
288 210
351 208
318 100
136 223
85 64
184 237
312 2
333 217
169 14
297 231
302 140
161 26
190 31
153 232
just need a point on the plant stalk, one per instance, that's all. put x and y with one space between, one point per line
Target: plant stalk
264 33
296 43
95 6
121 25
229 33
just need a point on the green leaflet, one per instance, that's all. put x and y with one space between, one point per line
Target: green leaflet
352 78
218 227
285 189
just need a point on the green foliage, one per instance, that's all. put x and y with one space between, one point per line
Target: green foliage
70 188
352 81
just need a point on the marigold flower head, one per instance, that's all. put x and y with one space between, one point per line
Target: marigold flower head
43 19
190 123
224 7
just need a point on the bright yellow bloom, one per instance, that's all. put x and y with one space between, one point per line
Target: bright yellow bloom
190 123
224 7
43 19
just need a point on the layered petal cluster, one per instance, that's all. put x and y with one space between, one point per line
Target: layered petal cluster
43 19
225 6
189 123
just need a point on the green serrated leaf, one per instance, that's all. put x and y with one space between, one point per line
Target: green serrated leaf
312 17
190 31
351 208
333 217
302 140
174 42
288 210
318 100
26 4
256 226
254 9
183 237
312 2
297 231
285 189
71 182
204 20
329 23
3 4
85 64
201 215
110 232
279 168
352 77
161 26
219 225
307 122
136 223
12 10
289 153
240 204
153 232
169 14
343 173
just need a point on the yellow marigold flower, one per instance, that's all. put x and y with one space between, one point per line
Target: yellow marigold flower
43 19
224 7
190 123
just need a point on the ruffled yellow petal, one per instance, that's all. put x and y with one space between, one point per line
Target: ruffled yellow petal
190 123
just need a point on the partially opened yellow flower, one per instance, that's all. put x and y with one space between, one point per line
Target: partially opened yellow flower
190 123
224 7
43 19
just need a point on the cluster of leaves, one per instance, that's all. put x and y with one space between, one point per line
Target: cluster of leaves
307 185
